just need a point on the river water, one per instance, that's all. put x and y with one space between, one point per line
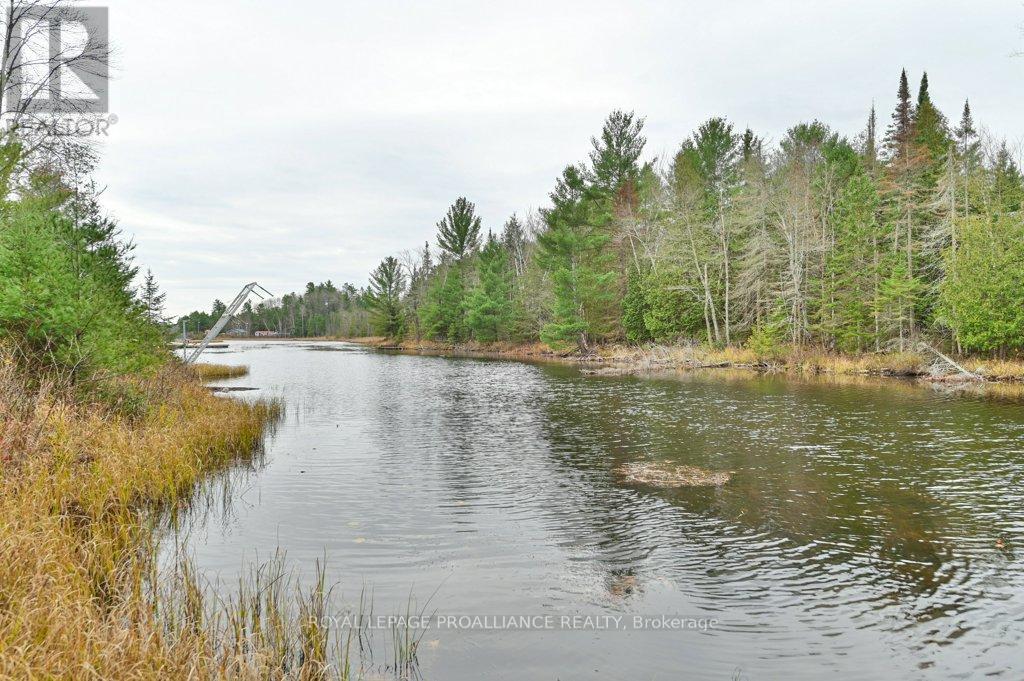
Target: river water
870 530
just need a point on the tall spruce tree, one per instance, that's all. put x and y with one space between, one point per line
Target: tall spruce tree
904 194
152 299
931 131
900 135
387 283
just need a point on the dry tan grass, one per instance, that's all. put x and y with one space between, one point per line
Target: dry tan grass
212 372
997 369
81 485
890 364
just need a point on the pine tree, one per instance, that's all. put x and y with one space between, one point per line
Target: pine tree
489 306
387 283
614 158
458 233
152 299
513 238
573 251
443 316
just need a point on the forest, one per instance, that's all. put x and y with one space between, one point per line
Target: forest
912 230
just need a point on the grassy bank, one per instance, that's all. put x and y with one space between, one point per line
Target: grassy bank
88 487
797 360
83 481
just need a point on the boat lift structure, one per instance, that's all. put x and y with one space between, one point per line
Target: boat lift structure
229 312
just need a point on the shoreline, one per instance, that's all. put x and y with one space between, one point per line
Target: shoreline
610 360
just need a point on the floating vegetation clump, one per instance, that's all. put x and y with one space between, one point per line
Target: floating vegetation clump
212 372
660 474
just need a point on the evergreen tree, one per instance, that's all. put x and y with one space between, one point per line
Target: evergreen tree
967 136
489 306
573 251
852 247
851 276
869 147
152 299
444 313
635 307
751 147
217 309
981 297
931 132
387 283
513 238
66 300
615 155
900 135
1007 183
458 233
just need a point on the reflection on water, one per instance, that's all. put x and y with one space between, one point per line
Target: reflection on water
869 529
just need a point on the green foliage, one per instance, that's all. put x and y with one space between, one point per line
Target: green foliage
458 233
634 308
981 295
573 251
1007 183
851 275
714 151
897 295
443 315
65 287
615 155
671 312
489 306
152 299
387 283
899 136
847 246
931 131
768 338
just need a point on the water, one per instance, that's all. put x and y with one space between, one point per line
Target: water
870 531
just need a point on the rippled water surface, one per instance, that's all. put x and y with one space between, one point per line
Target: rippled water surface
869 531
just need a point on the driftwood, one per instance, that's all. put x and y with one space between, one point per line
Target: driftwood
969 375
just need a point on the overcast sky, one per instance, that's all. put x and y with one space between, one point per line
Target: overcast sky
286 142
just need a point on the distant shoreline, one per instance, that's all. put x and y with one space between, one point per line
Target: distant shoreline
626 360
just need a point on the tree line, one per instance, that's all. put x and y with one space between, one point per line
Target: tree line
865 244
